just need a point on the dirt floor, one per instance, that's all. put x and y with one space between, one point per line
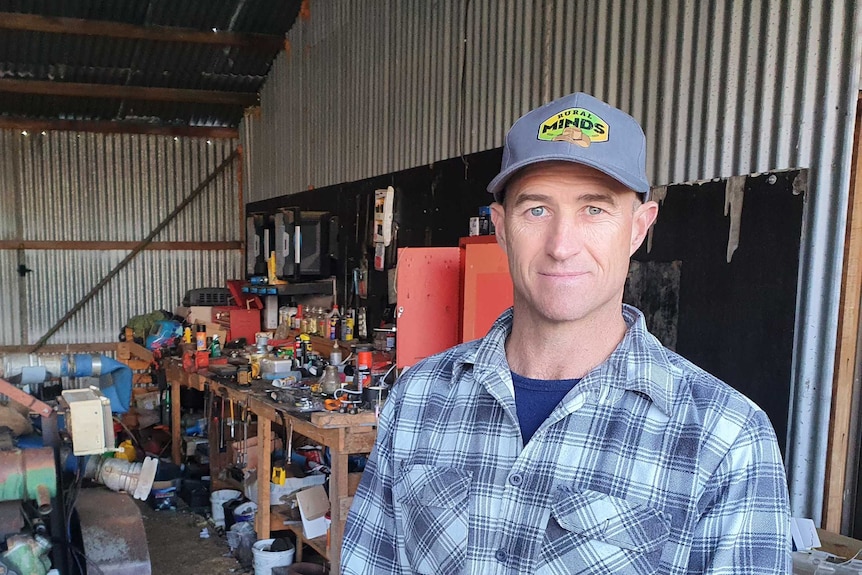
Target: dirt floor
176 547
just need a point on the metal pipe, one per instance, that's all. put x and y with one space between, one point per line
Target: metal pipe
43 498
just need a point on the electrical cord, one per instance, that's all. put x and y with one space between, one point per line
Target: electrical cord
79 553
831 566
129 433
462 108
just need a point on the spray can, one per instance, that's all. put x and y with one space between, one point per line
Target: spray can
334 322
201 337
347 325
363 367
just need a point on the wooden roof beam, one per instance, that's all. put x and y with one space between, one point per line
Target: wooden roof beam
116 127
113 91
79 26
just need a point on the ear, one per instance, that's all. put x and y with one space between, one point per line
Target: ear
643 217
498 217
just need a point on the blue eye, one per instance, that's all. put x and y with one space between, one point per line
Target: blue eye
594 211
537 212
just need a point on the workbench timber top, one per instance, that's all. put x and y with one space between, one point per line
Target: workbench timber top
259 400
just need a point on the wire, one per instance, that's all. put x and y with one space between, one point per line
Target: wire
79 553
129 433
388 371
462 109
833 565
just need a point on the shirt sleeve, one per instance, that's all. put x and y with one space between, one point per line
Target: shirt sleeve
370 541
745 522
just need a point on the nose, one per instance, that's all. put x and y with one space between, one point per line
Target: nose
564 238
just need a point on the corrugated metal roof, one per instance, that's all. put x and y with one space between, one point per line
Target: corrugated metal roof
69 57
248 16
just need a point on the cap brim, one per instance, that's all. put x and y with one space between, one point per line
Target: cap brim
638 185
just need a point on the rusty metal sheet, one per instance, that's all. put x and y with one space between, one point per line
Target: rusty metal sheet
11 519
113 532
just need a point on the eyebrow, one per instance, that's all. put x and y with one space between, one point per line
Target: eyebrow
608 199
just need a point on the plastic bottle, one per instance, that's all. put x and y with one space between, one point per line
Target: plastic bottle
187 335
335 357
215 347
297 319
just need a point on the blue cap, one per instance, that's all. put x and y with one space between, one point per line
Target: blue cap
582 129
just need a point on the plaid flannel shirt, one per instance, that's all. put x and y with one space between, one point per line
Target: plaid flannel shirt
648 465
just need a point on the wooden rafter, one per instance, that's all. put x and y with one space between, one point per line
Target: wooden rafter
37 23
116 127
79 90
103 246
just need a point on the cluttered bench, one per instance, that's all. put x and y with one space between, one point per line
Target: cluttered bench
343 434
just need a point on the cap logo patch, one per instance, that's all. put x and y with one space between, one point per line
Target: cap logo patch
576 126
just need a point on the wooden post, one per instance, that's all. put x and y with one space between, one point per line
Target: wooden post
846 352
176 422
264 454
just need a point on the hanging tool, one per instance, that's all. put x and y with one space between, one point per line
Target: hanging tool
278 471
232 422
222 447
243 451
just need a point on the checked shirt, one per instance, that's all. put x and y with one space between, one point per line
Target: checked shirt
648 465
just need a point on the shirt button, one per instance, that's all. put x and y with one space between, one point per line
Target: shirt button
516 479
501 555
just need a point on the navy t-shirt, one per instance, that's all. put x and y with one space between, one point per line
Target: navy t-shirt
535 399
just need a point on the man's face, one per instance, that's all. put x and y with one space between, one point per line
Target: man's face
569 232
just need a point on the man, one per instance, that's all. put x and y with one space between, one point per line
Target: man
568 440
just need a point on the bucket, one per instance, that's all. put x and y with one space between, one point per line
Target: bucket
219 498
245 512
265 560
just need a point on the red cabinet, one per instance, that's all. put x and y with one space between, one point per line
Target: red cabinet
486 287
449 295
239 322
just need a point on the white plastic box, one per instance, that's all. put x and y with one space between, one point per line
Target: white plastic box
88 421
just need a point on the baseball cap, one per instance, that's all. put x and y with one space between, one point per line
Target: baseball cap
582 129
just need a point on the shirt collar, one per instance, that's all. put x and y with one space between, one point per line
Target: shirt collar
640 363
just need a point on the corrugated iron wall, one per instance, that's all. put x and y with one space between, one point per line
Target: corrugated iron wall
67 186
722 88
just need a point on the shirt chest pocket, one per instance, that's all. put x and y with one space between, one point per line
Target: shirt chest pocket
434 517
593 532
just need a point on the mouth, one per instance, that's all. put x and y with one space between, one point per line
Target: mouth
562 275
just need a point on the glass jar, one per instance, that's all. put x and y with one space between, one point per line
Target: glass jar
330 381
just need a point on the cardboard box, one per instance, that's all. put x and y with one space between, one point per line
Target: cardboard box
313 505
195 313
191 444
148 401
250 447
163 495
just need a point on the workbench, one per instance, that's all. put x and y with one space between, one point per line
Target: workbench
343 434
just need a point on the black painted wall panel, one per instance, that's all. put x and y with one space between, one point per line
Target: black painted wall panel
734 320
